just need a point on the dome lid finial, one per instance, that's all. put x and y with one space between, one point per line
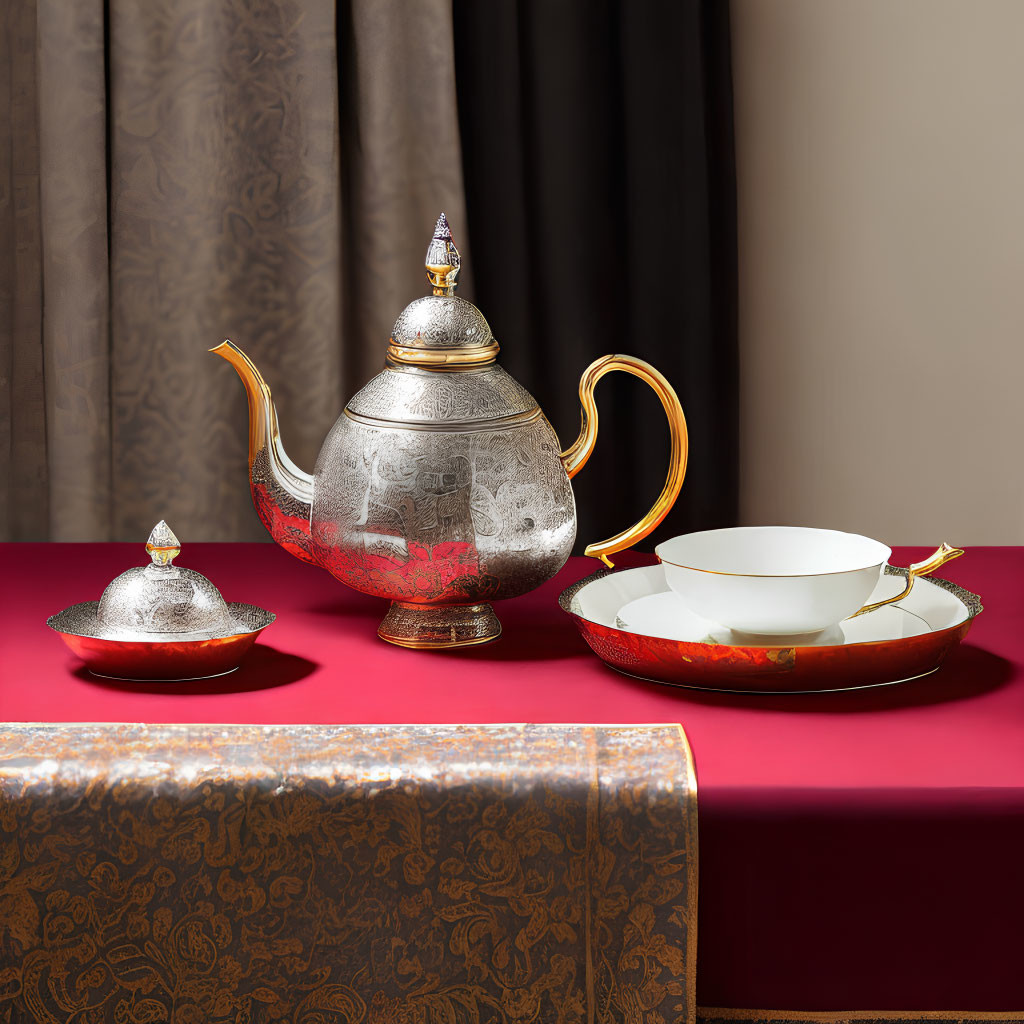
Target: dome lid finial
163 547
443 260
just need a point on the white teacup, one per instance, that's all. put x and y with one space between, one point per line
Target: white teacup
781 580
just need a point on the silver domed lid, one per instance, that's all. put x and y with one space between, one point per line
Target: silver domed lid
442 330
164 598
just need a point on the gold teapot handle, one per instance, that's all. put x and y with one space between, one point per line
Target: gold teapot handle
574 458
943 553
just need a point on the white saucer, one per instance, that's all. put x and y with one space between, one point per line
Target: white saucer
663 614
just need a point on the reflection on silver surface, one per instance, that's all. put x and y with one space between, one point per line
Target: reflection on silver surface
83 620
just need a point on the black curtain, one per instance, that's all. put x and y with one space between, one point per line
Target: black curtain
600 189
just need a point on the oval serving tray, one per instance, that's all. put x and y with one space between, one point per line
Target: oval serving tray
905 641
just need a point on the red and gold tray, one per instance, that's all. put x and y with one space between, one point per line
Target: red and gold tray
670 645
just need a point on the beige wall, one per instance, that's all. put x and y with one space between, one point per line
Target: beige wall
880 160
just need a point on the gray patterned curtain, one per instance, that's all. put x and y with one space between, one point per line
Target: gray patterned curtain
181 171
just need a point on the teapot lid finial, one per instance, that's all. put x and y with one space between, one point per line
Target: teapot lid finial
443 260
163 547
441 331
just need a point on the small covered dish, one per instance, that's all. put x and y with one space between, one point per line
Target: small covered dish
160 621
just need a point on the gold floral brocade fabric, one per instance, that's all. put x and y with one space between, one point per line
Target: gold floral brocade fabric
340 875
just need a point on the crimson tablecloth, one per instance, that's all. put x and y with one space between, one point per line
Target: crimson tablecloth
859 851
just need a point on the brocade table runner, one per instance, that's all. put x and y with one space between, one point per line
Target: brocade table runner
357 875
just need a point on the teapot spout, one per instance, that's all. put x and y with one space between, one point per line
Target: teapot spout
281 492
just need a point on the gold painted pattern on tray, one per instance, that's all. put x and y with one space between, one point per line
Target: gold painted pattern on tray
420 875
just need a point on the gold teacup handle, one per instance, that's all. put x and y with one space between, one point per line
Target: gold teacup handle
943 554
574 458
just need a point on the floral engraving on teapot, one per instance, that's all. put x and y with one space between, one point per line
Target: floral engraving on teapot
442 516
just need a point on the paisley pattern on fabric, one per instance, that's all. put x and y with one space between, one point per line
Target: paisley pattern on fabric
351 875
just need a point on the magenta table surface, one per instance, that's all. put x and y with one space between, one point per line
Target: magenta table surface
860 850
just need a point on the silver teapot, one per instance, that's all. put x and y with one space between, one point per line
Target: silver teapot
442 486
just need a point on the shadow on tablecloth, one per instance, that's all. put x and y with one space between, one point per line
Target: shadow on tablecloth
264 668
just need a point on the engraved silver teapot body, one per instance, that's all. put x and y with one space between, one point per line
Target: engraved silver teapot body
442 486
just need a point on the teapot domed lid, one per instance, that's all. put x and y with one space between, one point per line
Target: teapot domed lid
442 331
162 598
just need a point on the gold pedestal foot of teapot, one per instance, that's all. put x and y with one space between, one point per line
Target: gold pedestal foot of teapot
427 627
442 485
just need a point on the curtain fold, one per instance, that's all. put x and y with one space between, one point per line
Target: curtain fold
75 271
598 153
224 223
23 469
181 171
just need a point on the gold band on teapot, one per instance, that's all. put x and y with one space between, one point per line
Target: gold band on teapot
442 358
574 458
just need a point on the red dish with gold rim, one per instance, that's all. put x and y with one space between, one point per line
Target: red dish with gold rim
165 658
635 624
